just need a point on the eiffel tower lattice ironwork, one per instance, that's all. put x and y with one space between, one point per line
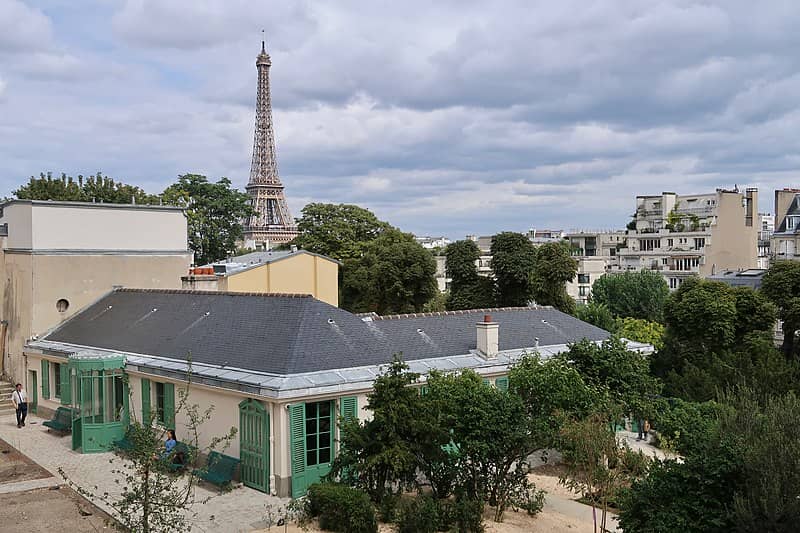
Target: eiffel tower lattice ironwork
272 222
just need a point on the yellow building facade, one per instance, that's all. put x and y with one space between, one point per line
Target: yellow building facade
285 272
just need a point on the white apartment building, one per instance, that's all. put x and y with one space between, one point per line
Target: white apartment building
766 228
431 243
596 252
689 235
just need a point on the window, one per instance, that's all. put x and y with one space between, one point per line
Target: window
648 245
673 283
699 242
62 305
664 260
160 403
670 242
583 290
57 380
583 278
318 433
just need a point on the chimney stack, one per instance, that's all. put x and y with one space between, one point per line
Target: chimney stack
488 337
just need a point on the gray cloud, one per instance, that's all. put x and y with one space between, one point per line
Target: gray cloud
454 118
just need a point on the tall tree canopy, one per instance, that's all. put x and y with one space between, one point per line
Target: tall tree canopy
781 285
553 267
513 261
468 290
394 274
214 212
338 231
641 294
717 336
96 188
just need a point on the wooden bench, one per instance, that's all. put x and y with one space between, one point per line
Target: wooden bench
220 469
62 421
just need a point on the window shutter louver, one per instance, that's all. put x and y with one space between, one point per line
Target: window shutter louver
169 405
146 402
349 407
45 379
501 383
66 386
297 436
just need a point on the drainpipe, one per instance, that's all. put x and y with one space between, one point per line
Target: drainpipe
272 423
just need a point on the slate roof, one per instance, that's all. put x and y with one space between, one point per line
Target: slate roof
289 334
250 260
746 278
794 209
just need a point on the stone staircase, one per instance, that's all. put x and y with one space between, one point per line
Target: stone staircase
6 407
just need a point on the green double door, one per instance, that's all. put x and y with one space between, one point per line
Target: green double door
311 431
254 445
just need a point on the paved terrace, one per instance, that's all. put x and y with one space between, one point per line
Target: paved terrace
241 509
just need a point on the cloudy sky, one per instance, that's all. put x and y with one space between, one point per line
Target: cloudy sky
446 117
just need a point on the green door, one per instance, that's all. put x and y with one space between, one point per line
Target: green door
254 444
33 394
311 436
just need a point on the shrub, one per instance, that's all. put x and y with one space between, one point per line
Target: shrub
341 508
467 514
420 515
387 509
525 497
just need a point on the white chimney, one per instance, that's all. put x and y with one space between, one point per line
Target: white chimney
488 337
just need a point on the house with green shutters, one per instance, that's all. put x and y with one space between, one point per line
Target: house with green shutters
280 368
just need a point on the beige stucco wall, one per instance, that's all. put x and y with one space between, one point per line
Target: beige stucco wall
34 283
297 274
734 245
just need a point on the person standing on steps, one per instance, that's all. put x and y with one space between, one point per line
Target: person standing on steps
20 400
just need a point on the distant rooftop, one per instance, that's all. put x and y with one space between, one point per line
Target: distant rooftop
751 277
244 262
90 205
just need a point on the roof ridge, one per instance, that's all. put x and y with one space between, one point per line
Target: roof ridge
455 313
224 293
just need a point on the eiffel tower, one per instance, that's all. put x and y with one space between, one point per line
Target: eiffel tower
272 222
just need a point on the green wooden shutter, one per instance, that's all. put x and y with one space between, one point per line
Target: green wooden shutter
501 383
297 437
146 401
45 379
423 390
66 386
349 407
485 381
169 405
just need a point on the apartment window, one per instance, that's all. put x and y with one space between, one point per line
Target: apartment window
613 252
583 290
791 222
648 245
673 283
664 260
670 242
699 242
583 278
160 402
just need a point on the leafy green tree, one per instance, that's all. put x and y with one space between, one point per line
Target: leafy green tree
639 294
513 262
623 373
685 427
709 345
379 454
337 231
640 330
215 212
781 284
597 315
490 432
468 290
552 391
553 268
98 188
394 274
